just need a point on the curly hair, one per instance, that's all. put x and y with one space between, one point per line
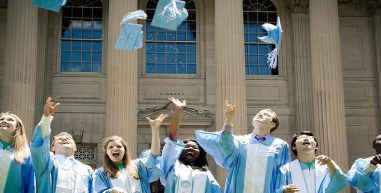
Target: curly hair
201 162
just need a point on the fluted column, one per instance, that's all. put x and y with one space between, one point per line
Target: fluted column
122 79
41 54
230 64
375 10
21 61
327 80
302 65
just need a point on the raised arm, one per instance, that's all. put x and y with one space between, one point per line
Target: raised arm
40 146
175 122
155 125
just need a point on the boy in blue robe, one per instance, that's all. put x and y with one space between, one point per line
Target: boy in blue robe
310 173
252 160
184 161
58 171
364 174
16 168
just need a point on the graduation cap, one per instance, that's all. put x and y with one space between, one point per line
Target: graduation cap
131 34
169 14
52 5
274 36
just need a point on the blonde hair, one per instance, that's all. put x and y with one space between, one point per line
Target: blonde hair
110 169
20 141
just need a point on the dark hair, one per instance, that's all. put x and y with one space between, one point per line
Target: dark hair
374 140
295 137
201 162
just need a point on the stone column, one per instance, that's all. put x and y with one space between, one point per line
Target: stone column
122 79
375 10
327 81
302 65
230 65
21 61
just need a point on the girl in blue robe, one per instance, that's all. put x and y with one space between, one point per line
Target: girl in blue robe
122 174
184 162
16 168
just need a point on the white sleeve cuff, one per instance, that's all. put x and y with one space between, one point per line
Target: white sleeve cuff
369 168
45 124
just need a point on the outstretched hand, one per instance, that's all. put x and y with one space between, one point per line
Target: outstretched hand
376 159
178 103
50 107
229 112
323 160
290 188
155 124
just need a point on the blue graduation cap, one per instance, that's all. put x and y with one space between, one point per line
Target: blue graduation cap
52 5
274 36
169 14
131 34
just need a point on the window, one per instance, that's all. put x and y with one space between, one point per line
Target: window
171 52
81 36
256 13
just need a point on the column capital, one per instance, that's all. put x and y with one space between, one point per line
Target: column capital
374 7
298 6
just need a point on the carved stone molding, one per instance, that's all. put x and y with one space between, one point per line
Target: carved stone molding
189 112
298 6
344 1
374 6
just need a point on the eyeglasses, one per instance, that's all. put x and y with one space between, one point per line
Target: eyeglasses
306 137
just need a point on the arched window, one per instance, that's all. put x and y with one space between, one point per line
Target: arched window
256 13
171 52
81 36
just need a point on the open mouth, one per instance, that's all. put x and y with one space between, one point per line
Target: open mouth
306 143
4 125
115 154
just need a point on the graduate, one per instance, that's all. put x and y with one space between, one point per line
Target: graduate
364 174
184 161
58 170
121 174
252 160
310 173
16 168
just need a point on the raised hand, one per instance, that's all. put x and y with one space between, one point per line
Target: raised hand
229 112
323 160
155 124
50 107
376 159
178 103
290 188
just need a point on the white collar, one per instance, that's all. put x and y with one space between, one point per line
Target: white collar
62 158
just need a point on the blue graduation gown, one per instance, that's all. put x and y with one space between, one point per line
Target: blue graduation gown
362 181
20 177
324 182
169 163
148 170
45 163
231 152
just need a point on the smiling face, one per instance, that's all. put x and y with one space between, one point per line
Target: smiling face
263 122
64 144
115 151
8 124
191 152
305 144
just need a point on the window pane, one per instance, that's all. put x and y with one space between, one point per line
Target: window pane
171 52
255 14
81 38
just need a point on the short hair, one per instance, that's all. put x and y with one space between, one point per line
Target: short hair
201 162
374 141
274 119
295 137
55 138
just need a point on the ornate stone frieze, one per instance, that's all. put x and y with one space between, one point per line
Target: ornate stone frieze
298 6
189 112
